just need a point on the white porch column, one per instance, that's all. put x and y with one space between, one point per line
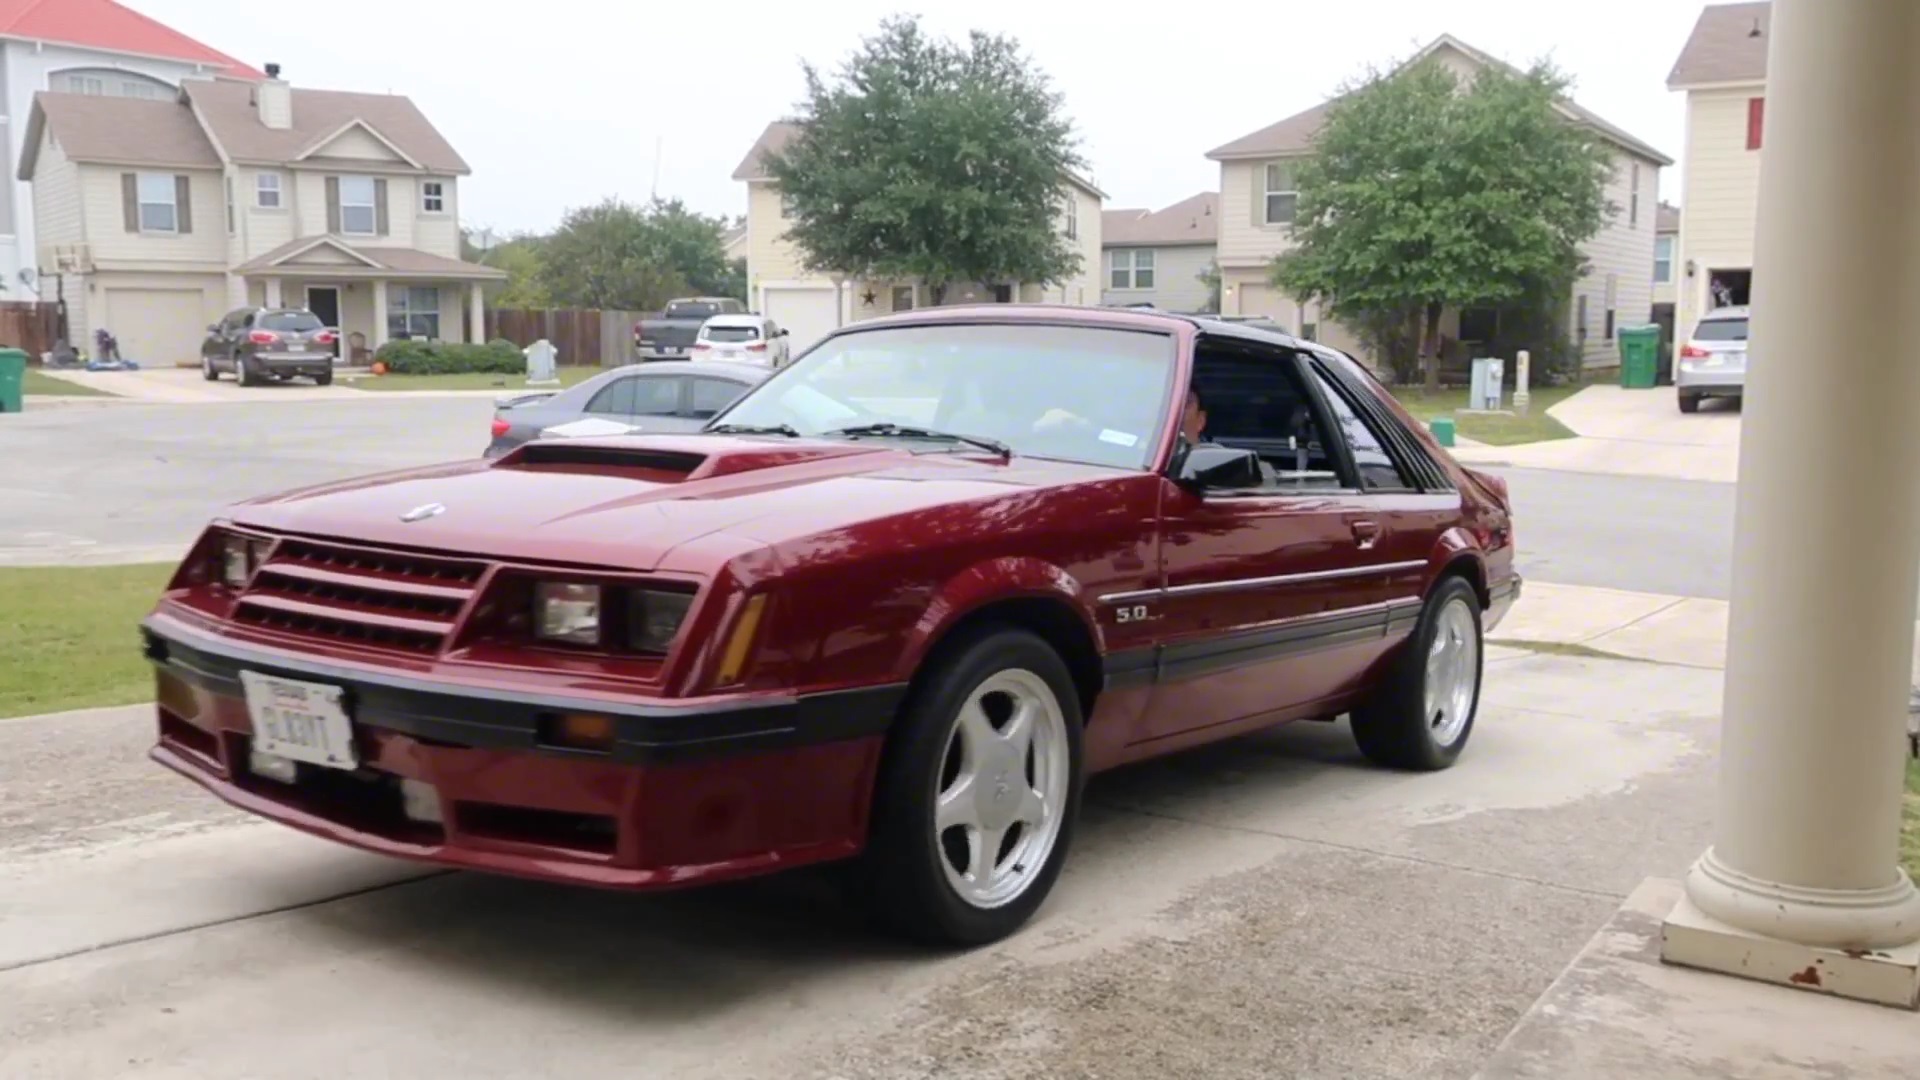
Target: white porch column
273 292
379 336
477 314
1802 885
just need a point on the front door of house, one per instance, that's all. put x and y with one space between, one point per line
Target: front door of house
324 302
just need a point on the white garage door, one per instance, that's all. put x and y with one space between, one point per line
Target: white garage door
156 327
806 313
1266 300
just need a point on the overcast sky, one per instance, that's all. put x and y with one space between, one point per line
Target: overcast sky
563 102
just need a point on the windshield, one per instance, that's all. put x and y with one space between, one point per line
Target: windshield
730 333
289 321
692 309
1721 330
1075 393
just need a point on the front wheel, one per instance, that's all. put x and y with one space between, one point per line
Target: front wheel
207 370
978 793
1421 716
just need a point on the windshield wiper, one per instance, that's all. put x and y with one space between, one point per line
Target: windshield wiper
901 431
754 429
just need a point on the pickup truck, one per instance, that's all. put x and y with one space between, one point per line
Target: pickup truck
670 335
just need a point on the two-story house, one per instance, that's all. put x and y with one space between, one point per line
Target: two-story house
1723 71
1160 257
810 304
1666 250
1258 194
83 47
161 215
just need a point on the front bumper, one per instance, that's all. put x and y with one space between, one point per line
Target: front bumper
692 792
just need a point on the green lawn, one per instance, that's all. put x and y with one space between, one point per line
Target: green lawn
1910 821
41 383
503 383
70 636
1497 430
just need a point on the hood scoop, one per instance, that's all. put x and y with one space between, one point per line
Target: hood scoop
673 459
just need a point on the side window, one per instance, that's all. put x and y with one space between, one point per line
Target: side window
1256 401
614 399
1370 457
712 395
655 395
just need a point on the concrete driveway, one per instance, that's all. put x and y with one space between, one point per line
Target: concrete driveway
1634 433
186 386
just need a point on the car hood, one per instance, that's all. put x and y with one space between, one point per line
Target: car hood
628 502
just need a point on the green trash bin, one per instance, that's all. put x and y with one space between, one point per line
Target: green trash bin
13 378
1640 357
1442 428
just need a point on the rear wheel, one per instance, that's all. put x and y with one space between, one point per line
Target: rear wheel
1421 716
1689 403
978 793
324 378
245 372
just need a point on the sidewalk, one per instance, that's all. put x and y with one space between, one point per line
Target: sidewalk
1632 433
187 386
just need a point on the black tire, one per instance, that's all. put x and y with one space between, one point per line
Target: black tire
208 371
1689 403
325 378
244 372
1393 728
901 876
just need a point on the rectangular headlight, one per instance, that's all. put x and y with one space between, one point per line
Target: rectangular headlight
654 617
567 613
236 561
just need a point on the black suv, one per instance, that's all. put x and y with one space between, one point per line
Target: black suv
257 344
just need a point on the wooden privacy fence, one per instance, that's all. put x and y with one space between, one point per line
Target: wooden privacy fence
29 326
582 335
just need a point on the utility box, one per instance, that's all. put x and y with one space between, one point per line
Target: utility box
1486 389
13 380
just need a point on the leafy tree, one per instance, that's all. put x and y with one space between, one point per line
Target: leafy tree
1210 277
615 255
1423 194
522 257
924 158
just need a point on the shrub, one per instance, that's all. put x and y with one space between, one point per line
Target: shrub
496 357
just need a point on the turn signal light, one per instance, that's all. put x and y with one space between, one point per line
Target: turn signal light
740 642
501 425
578 731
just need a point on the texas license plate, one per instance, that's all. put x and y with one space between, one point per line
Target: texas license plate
300 720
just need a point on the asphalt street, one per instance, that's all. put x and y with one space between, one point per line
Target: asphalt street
135 482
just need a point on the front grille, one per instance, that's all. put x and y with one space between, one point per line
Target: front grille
383 599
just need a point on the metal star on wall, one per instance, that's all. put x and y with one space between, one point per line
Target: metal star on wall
867 298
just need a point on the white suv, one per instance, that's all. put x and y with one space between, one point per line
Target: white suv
1713 362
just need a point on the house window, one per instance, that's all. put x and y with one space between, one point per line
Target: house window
357 216
1663 259
903 298
1613 284
86 84
412 311
140 90
1633 199
266 191
1580 319
230 228
158 210
1130 268
786 205
1072 219
1756 118
1281 194
433 197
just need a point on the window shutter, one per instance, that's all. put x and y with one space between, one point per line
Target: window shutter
1756 116
183 204
130 201
333 204
379 207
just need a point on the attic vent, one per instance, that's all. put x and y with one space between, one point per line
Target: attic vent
562 453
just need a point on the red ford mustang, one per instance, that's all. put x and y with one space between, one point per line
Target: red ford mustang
893 606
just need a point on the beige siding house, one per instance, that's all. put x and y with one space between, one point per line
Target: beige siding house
1258 192
1161 257
161 215
1666 251
1723 71
810 305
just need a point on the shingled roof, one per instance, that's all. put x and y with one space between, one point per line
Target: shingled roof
317 116
1728 45
1190 221
1295 134
117 131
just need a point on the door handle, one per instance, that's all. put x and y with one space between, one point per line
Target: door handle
1365 533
